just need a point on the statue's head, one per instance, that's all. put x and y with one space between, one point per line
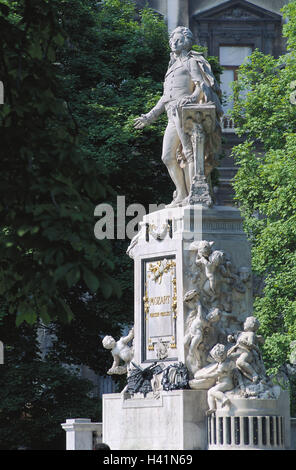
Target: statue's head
108 342
218 352
218 257
204 248
214 315
251 324
244 273
181 39
191 295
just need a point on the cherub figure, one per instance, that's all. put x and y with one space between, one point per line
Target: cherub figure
246 349
224 378
196 325
203 248
219 377
242 293
212 263
213 267
217 270
120 351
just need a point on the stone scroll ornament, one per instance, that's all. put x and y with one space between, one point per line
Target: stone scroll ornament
192 140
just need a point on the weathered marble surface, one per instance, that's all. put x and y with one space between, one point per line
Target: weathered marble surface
121 351
193 286
194 305
192 139
174 421
80 433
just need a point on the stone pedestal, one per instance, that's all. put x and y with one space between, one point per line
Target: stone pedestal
252 424
163 273
174 421
164 266
193 264
293 433
80 433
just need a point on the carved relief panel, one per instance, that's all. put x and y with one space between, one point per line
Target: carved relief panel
159 308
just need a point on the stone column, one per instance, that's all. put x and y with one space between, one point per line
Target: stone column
178 14
293 433
79 433
1 93
1 353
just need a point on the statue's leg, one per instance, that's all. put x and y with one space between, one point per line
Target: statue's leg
211 400
195 342
189 170
243 364
187 339
170 144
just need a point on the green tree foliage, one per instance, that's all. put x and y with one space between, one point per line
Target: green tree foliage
265 186
37 396
49 184
64 129
76 74
112 68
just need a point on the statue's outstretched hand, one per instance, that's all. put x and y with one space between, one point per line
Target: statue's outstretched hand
140 122
185 100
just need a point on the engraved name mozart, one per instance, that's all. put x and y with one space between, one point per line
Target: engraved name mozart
165 299
160 305
160 300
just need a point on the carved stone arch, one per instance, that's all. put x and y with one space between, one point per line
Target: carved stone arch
214 10
238 22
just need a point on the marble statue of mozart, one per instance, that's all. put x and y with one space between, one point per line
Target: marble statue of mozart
189 80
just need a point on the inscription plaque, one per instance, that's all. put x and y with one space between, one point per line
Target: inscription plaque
160 308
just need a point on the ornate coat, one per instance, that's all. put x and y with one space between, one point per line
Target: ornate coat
184 74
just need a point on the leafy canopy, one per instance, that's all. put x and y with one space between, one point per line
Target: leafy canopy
265 186
49 182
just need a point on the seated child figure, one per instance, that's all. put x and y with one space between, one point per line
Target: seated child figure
246 349
217 378
120 351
